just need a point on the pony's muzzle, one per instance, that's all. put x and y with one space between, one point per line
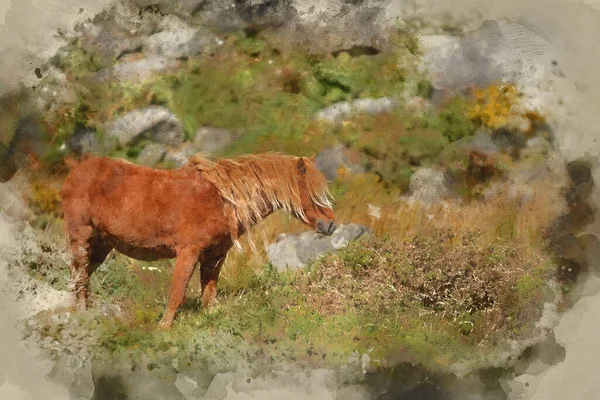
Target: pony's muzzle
326 228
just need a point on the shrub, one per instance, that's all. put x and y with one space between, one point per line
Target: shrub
495 105
452 121
45 198
392 150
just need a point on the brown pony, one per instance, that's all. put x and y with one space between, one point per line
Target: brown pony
195 213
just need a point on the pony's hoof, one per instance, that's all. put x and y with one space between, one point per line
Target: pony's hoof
164 325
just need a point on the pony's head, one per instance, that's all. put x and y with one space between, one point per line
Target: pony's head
315 205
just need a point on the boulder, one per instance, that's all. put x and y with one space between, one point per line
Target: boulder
109 40
338 112
152 154
225 15
84 141
134 71
493 52
179 156
181 7
54 90
295 251
177 39
153 122
330 160
210 140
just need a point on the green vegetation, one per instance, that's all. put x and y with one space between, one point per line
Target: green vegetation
436 284
248 85
436 298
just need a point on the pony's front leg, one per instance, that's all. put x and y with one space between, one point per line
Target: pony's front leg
209 276
184 268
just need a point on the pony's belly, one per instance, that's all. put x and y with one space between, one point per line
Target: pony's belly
142 253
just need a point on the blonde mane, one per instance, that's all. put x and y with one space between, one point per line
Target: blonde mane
253 184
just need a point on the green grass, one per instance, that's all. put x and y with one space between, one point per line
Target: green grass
375 297
248 86
368 298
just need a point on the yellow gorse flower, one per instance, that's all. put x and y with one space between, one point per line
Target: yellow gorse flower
495 106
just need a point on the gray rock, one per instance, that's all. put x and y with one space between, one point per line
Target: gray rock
224 15
336 113
152 154
329 160
84 141
341 25
495 51
134 71
54 90
295 251
178 157
428 185
181 7
154 122
109 40
179 40
209 140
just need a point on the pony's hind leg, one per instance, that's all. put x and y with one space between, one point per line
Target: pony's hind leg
80 277
89 252
209 276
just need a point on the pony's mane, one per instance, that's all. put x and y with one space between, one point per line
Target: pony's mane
251 184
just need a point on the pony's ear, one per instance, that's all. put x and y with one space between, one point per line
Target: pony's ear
313 157
301 165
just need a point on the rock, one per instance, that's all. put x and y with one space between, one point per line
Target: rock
179 40
54 90
109 41
178 157
329 161
152 154
491 53
224 15
354 26
181 7
580 171
134 71
336 113
209 140
84 141
295 251
153 122
428 185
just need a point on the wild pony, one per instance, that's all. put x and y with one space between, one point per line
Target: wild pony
195 213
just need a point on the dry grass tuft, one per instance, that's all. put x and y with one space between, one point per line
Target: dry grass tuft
451 277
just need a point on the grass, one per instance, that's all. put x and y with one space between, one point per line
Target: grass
248 85
388 297
429 300
438 283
